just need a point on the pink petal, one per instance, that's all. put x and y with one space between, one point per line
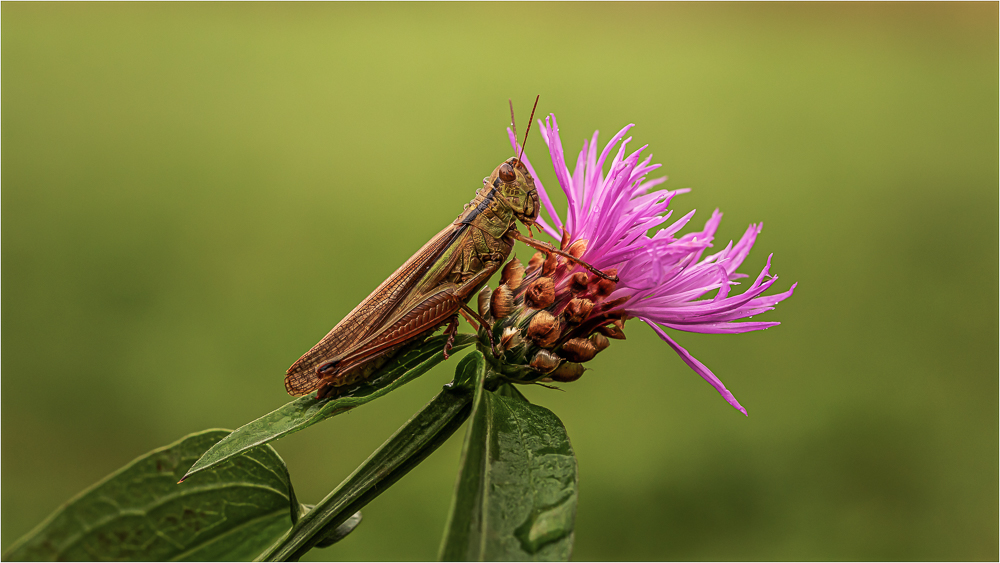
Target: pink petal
722 328
743 247
699 368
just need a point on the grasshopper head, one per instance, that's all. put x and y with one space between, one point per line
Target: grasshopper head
513 180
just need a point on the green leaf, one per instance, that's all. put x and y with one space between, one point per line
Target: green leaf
471 371
515 499
510 391
403 451
140 513
306 411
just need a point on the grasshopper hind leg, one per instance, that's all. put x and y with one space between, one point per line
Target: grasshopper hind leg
324 391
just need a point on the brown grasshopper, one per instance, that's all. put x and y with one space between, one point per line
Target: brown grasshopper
432 287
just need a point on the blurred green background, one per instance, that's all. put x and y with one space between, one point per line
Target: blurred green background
193 194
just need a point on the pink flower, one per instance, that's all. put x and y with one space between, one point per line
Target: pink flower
666 281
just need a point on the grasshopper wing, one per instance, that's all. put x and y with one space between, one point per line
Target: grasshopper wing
370 315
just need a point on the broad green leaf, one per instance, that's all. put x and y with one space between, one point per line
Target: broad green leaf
306 411
515 499
140 513
410 445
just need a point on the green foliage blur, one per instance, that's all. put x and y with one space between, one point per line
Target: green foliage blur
194 194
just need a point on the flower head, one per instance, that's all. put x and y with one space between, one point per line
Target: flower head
664 278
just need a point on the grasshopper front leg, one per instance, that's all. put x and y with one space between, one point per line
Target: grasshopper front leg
548 248
484 324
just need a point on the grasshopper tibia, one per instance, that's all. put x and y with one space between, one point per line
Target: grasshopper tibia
485 325
450 331
548 248
324 391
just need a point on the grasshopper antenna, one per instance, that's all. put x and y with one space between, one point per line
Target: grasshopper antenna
513 125
526 131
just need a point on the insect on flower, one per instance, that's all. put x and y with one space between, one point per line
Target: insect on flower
431 289
567 315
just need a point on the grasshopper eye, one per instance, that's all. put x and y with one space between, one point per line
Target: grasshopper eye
507 172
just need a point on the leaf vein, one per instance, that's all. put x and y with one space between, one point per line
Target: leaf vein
232 530
144 511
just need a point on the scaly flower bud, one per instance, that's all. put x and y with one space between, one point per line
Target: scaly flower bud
502 301
549 266
541 293
578 310
612 331
510 338
605 287
544 329
545 361
483 301
599 341
567 372
512 274
579 350
537 259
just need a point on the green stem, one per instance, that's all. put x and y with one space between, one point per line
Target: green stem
410 445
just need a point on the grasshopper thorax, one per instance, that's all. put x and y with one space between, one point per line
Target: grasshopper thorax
513 181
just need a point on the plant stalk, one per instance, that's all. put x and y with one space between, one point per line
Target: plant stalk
403 451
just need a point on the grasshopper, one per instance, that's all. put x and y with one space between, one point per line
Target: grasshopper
433 287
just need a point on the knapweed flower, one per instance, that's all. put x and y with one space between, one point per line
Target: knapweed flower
555 314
